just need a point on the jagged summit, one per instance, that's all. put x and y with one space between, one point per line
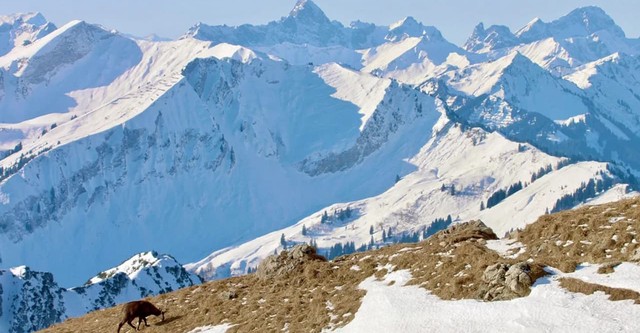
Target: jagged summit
307 10
407 22
410 27
494 37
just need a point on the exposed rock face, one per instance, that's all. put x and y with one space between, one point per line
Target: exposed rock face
495 274
466 231
518 278
287 261
507 281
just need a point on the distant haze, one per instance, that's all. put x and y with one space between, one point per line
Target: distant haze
455 18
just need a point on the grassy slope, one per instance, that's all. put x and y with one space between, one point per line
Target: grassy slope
325 294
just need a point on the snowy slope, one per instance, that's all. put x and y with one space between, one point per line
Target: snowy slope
414 60
475 162
526 205
203 131
394 306
62 62
613 83
520 83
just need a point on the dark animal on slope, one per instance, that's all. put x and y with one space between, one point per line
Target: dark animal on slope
140 310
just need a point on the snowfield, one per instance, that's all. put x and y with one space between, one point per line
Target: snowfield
549 308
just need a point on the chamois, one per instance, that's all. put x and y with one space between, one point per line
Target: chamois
140 310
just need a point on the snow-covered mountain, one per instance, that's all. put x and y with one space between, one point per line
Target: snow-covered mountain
584 35
32 300
21 30
234 142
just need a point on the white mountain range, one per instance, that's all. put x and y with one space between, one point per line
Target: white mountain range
231 143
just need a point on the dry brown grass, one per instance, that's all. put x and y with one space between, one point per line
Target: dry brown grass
608 268
594 234
615 294
450 265
320 295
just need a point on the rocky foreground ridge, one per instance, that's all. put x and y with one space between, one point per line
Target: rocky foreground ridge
302 292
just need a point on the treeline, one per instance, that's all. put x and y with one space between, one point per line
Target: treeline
338 215
21 162
585 191
501 194
388 237
625 177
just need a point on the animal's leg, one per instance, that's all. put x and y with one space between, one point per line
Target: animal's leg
130 324
145 321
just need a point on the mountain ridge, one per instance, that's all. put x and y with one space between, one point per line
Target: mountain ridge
233 142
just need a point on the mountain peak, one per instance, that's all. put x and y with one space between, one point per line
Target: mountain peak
580 22
478 30
534 30
136 264
307 10
408 21
585 21
491 38
410 27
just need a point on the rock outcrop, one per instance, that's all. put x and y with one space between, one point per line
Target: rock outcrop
457 233
506 281
288 261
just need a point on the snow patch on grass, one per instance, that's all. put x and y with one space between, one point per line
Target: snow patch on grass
212 329
399 308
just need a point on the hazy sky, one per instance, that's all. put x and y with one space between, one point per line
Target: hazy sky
455 18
